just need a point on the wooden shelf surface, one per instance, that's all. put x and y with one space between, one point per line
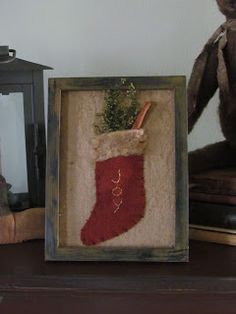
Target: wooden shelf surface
208 278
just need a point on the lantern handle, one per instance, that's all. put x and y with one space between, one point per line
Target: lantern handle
9 58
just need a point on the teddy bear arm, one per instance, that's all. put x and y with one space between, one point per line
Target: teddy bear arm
206 90
214 156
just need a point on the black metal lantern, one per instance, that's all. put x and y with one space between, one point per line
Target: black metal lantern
22 129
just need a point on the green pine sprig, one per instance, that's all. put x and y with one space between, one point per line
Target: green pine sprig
120 108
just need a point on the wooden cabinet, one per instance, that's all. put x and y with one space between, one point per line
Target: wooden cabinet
206 285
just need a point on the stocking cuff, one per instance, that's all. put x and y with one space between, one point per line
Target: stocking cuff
120 143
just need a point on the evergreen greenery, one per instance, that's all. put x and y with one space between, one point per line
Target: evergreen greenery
120 108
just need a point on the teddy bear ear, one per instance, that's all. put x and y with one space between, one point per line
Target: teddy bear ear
227 7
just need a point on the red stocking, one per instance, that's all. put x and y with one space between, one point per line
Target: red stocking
120 193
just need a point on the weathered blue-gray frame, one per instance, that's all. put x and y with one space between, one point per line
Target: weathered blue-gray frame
53 251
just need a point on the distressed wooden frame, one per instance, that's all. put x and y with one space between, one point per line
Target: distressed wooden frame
53 252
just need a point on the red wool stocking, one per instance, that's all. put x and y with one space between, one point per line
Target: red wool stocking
120 194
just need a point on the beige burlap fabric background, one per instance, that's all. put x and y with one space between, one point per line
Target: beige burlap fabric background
77 170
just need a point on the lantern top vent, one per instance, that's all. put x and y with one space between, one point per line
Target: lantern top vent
9 62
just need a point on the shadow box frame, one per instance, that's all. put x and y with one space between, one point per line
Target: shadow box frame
53 251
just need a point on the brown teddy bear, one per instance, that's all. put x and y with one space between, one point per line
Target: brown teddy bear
216 68
18 227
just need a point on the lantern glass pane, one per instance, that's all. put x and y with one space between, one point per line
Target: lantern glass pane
12 142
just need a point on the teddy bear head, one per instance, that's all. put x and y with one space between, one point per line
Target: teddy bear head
228 8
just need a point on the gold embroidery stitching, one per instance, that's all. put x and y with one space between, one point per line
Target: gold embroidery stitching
117 193
118 181
117 205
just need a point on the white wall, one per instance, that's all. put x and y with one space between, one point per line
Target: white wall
114 37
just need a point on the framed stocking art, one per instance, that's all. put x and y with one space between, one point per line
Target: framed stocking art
117 169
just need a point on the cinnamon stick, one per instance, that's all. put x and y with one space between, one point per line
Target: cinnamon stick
141 116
